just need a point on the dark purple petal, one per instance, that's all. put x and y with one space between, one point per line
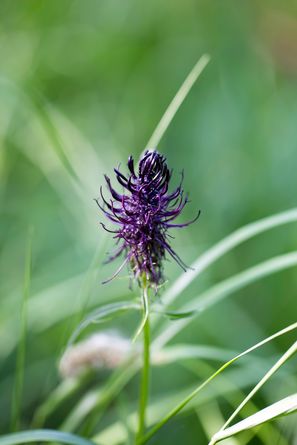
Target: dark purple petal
143 214
108 230
185 224
131 166
114 194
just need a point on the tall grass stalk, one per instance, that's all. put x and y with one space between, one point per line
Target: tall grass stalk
43 436
177 102
222 290
286 356
21 350
283 407
217 292
184 402
145 373
93 403
205 414
224 246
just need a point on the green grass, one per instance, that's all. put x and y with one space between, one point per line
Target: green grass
81 88
21 350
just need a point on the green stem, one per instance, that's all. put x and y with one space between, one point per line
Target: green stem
144 388
21 350
188 399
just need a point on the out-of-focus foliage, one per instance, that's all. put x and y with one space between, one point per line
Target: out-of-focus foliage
82 86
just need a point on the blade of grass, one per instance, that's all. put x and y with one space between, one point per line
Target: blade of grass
224 246
101 314
56 160
68 387
281 408
179 352
164 357
203 369
184 402
210 416
21 350
177 101
63 391
31 97
84 293
40 107
232 286
43 436
260 227
288 354
224 289
111 390
94 402
91 405
252 230
241 377
123 416
57 310
145 315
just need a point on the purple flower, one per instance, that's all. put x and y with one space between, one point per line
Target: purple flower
143 214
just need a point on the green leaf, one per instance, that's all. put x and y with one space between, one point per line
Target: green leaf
281 408
288 354
21 350
176 315
145 305
224 246
94 401
43 436
102 314
177 101
42 112
174 411
219 291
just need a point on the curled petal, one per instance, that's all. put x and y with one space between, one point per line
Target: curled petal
143 214
131 166
114 194
185 224
108 230
110 205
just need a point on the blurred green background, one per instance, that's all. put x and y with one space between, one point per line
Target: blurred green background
83 85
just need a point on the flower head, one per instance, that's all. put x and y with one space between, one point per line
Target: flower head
143 214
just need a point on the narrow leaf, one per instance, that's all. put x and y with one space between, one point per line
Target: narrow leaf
222 290
281 408
177 101
286 356
21 350
194 393
102 314
176 315
145 316
224 246
43 436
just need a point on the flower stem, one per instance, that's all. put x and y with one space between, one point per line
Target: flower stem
144 387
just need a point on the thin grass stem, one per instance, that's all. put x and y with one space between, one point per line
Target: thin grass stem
145 376
177 102
21 350
222 290
286 356
145 305
50 436
224 246
193 394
